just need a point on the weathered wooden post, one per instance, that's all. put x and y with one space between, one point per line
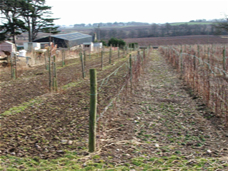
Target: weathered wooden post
102 59
118 52
49 69
208 79
55 86
130 67
93 110
181 62
224 61
194 61
194 67
45 61
208 58
63 58
82 62
198 49
144 54
84 58
110 55
13 63
11 66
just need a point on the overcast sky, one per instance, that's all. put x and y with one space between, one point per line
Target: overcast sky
73 12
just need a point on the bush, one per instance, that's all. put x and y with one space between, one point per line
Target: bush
116 42
101 41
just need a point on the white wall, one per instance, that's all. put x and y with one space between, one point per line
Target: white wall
34 45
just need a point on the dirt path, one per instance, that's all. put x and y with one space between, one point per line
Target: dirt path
162 119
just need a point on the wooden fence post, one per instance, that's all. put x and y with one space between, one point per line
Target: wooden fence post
49 68
110 55
84 58
63 58
181 62
55 86
118 52
130 62
224 61
15 67
102 59
208 58
198 49
93 110
11 66
45 61
144 54
82 62
208 79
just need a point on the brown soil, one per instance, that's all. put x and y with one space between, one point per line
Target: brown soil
159 118
178 40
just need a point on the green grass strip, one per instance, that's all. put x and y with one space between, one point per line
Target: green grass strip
71 161
22 107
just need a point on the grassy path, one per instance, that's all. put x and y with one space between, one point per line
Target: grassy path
159 127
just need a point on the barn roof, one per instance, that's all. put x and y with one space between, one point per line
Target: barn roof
71 36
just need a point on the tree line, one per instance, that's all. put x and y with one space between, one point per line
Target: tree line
18 16
109 24
157 30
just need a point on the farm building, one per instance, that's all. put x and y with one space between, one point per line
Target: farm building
7 46
98 45
88 46
67 40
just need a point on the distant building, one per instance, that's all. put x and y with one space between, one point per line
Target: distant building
7 46
88 46
98 45
67 40
31 45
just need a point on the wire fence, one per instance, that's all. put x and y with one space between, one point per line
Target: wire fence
119 82
205 70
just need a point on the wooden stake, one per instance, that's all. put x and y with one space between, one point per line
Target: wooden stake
63 58
102 59
118 52
130 62
84 58
55 86
224 61
49 69
181 62
82 62
93 110
110 55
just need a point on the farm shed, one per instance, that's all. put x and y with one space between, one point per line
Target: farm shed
67 40
7 46
88 46
98 45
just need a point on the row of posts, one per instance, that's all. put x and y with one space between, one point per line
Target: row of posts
208 58
50 65
93 100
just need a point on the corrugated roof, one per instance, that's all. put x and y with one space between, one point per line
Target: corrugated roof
71 36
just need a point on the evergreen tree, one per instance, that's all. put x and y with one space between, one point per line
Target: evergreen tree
25 15
12 24
36 15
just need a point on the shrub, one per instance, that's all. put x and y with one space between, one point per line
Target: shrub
116 42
